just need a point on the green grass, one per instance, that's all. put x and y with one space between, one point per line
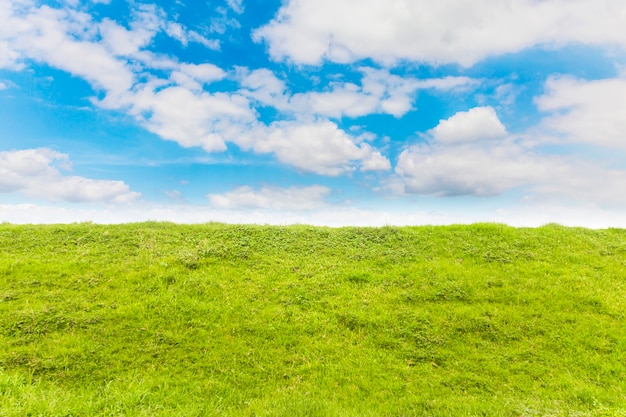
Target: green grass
157 319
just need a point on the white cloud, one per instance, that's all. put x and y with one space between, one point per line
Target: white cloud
586 111
121 41
177 31
457 162
194 36
191 118
194 77
147 21
173 194
236 5
35 173
3 86
506 94
263 86
468 154
445 31
54 36
379 92
320 147
176 106
183 35
468 170
375 162
223 22
272 198
111 55
490 171
343 99
475 125
8 57
203 72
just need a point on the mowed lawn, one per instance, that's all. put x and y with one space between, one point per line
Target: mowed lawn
157 319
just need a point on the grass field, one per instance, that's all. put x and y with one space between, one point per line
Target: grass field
156 319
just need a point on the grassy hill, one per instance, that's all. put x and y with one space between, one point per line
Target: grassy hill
156 319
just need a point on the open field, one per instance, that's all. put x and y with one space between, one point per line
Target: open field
157 319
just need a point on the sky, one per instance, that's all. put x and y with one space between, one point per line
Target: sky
324 112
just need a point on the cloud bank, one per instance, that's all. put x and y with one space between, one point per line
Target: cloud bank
383 58
442 32
35 173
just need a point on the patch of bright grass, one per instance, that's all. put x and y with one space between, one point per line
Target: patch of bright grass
156 319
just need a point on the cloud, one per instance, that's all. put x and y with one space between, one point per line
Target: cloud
379 92
236 5
469 170
187 114
447 31
487 172
263 86
54 36
112 57
272 198
477 124
471 154
585 111
194 77
194 36
375 162
170 98
221 23
8 56
183 35
35 173
319 146
147 21
191 118
173 194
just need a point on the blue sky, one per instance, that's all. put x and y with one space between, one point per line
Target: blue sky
330 112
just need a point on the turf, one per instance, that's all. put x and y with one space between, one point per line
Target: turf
157 319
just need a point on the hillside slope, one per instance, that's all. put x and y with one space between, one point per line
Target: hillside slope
156 319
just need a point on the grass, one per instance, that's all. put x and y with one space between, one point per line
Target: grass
156 319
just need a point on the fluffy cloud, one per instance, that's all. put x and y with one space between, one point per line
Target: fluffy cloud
471 154
477 124
35 173
147 22
55 36
112 57
8 57
191 118
446 31
262 86
178 107
185 36
115 61
197 118
236 5
468 170
194 77
586 111
272 198
378 92
319 146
